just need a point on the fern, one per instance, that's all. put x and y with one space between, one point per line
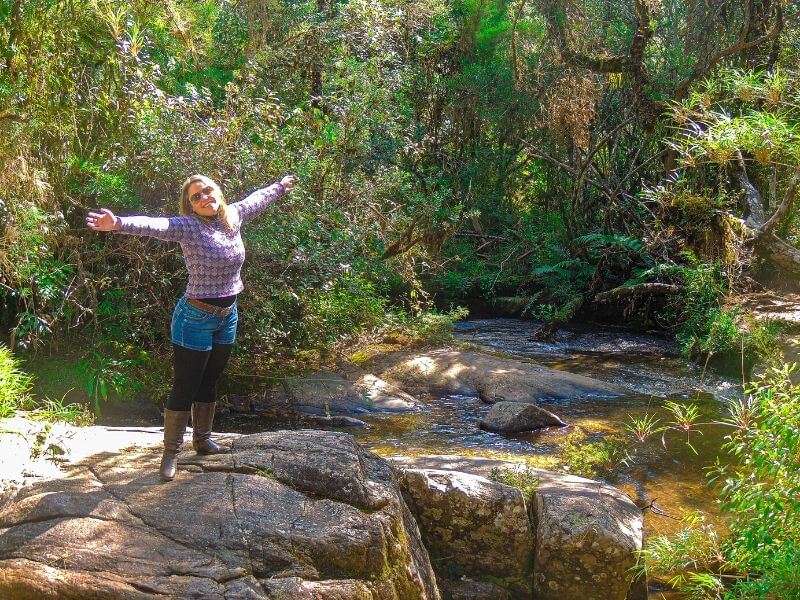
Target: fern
653 273
626 242
572 266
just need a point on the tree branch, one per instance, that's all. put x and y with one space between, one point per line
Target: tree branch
636 291
753 202
741 44
783 209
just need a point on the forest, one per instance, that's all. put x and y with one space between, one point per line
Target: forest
628 163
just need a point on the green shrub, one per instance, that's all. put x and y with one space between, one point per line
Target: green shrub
707 327
760 499
432 326
14 384
51 410
102 186
349 307
112 368
525 479
703 324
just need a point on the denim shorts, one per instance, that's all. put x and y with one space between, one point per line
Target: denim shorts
199 330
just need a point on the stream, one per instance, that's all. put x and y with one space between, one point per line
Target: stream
669 474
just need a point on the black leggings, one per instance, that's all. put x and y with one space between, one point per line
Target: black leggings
196 374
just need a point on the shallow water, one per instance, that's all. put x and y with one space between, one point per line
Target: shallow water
667 473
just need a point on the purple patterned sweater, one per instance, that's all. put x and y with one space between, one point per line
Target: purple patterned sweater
213 256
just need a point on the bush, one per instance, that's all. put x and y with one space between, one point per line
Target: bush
706 326
760 499
14 384
336 314
525 479
432 326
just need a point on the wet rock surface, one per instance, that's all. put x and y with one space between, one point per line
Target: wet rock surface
334 421
502 334
307 514
648 364
327 392
513 417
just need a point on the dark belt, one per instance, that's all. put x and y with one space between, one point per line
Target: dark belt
219 311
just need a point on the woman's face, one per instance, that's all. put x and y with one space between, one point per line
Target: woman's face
204 198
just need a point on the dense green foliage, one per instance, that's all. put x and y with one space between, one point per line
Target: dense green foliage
631 160
16 396
14 383
760 493
446 151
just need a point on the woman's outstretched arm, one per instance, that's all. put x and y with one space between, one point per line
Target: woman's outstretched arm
257 202
170 229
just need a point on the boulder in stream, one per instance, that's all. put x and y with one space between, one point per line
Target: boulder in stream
492 378
514 417
585 534
291 514
473 526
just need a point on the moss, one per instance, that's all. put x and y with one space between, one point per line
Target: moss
525 480
268 473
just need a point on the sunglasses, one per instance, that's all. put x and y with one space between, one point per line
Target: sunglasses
206 191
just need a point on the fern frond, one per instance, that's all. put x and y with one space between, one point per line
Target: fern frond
626 242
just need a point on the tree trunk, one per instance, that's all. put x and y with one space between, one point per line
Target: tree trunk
767 243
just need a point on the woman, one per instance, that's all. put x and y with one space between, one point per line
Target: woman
205 317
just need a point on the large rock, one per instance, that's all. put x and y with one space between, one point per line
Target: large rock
326 392
472 526
513 417
586 534
587 537
492 378
290 514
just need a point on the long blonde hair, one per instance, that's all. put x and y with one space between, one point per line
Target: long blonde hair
185 207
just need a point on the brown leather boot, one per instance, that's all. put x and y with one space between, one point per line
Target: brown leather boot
175 422
202 420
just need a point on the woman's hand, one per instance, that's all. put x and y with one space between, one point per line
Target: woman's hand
288 182
105 220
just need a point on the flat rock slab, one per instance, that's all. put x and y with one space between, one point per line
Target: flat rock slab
472 525
290 514
513 417
586 533
492 378
327 392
